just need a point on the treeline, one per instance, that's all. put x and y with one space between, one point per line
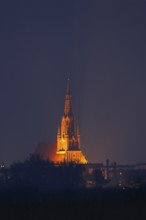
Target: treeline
37 173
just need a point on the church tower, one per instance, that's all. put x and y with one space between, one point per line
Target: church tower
68 136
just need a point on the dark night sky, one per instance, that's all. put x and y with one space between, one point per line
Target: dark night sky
101 46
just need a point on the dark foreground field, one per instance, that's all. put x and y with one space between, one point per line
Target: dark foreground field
26 204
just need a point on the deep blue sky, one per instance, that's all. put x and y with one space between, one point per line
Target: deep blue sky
101 46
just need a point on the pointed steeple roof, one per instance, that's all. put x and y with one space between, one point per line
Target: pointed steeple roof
68 102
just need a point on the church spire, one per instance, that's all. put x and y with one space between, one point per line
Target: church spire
68 138
68 102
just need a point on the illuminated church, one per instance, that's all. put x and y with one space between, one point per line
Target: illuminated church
68 136
67 148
